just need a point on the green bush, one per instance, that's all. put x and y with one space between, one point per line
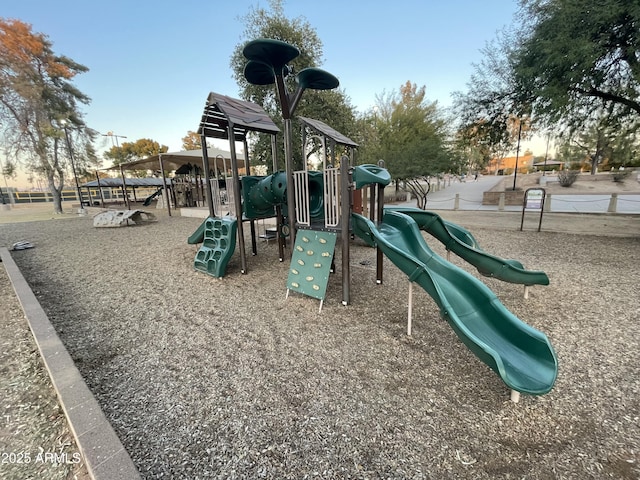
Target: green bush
566 178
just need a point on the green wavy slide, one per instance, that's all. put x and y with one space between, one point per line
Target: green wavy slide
521 355
461 242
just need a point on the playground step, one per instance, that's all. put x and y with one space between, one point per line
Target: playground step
218 237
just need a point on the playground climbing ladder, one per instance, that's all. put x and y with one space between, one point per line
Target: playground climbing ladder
218 237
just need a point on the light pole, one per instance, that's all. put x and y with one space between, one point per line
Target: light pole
125 197
546 154
73 165
515 171
113 135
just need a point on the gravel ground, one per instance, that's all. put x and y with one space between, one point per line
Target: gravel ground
224 378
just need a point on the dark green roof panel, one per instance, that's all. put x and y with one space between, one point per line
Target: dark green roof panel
221 110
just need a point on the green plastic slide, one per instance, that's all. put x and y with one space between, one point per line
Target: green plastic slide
218 238
198 236
462 243
521 355
147 201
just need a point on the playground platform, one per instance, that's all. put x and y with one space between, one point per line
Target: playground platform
195 212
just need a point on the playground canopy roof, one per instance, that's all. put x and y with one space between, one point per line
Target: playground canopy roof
220 111
327 131
174 160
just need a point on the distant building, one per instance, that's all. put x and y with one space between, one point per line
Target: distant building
506 165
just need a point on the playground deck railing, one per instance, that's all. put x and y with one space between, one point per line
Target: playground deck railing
332 197
301 188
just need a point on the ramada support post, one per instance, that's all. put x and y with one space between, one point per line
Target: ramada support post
346 186
410 309
237 197
164 184
207 176
379 255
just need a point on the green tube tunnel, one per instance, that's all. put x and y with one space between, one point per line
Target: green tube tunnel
261 195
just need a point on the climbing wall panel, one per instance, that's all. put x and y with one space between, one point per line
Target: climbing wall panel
311 263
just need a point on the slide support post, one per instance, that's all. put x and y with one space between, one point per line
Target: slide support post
410 311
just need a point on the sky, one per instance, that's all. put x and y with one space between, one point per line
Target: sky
152 64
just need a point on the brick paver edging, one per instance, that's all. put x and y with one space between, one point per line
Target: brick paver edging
104 455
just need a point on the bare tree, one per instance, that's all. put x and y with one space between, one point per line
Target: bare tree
39 106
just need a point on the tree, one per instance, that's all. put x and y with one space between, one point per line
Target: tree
580 68
329 106
191 141
580 57
601 144
413 139
566 65
38 101
367 137
482 143
486 110
624 150
132 151
8 170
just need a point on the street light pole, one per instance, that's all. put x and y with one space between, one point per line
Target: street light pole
125 197
515 171
113 135
546 154
73 167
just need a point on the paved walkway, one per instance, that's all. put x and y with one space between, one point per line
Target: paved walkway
470 193
611 225
576 214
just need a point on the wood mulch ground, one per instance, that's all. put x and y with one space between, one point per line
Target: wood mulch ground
35 441
224 378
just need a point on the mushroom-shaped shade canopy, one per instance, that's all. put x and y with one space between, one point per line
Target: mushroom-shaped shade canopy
258 73
274 53
316 79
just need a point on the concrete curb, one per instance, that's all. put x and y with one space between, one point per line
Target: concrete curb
104 454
